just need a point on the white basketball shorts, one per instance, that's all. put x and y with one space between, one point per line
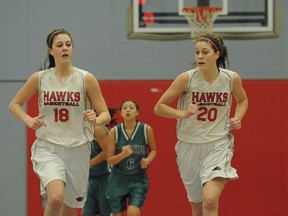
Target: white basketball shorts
200 163
69 164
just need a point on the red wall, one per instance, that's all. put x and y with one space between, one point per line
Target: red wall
261 156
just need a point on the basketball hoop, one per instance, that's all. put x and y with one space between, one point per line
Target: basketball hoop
201 19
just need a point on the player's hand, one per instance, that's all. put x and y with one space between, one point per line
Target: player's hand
126 151
90 115
144 163
235 123
35 122
191 110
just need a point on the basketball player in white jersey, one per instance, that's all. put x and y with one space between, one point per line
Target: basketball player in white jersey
205 145
67 98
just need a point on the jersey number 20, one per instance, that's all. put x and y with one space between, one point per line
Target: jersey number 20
207 114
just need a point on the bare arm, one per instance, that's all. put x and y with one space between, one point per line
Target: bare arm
95 96
178 87
23 95
151 147
242 102
102 138
113 158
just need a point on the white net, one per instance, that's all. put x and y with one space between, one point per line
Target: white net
201 19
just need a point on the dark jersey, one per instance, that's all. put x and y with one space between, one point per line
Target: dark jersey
138 143
102 167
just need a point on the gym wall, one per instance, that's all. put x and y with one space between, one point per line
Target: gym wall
260 157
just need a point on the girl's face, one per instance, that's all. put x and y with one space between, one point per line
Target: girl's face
205 56
129 110
62 49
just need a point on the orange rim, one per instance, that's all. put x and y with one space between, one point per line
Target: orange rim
201 9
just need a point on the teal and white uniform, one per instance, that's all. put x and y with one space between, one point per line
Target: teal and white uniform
205 146
127 179
97 203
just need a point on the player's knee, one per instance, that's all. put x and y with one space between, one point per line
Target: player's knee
210 204
55 202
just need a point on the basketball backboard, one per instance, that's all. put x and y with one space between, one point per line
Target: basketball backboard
162 19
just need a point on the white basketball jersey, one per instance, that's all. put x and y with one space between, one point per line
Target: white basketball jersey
62 106
211 122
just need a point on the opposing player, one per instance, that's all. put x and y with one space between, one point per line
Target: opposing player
97 203
132 150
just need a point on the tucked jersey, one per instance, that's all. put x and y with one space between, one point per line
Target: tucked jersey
212 120
101 167
137 141
62 106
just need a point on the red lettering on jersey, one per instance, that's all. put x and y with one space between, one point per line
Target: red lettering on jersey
45 96
225 97
219 97
77 96
210 96
202 97
60 95
52 96
195 96
70 96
